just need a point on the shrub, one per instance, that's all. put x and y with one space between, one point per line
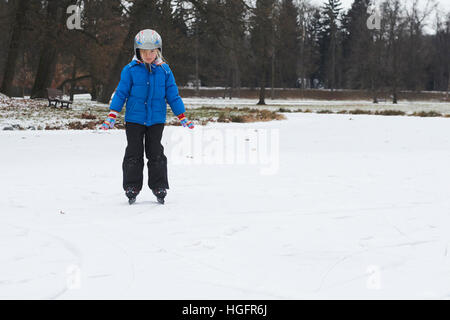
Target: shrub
325 111
427 114
359 111
390 113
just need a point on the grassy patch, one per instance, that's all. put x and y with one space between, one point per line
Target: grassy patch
26 114
324 111
426 114
360 111
239 115
390 113
88 115
39 116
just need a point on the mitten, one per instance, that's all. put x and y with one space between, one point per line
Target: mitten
185 122
110 121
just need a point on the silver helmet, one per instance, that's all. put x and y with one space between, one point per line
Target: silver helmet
147 39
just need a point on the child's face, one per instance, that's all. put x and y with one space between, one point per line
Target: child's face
148 55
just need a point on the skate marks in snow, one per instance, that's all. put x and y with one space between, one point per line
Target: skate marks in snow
251 291
377 246
386 264
354 211
211 243
235 230
63 263
191 272
387 240
198 256
148 203
384 274
35 264
219 278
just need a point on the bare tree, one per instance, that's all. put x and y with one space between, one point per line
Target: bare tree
395 25
54 28
414 48
141 14
262 42
14 46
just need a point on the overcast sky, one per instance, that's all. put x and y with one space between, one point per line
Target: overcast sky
443 4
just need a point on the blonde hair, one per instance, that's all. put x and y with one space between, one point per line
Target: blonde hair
159 55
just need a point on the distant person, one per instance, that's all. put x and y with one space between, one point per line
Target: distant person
146 83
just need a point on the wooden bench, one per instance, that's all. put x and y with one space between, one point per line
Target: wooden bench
55 96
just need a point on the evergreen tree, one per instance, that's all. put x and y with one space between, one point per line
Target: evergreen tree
330 42
357 46
262 42
288 44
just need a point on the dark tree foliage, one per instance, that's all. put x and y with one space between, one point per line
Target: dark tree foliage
227 43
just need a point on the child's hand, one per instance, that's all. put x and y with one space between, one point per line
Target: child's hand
110 121
185 122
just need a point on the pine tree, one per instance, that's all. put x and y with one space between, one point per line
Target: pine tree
357 46
262 44
329 41
312 54
288 44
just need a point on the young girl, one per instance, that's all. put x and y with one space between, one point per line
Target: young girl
146 84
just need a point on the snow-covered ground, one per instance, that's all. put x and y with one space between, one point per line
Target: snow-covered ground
322 206
25 114
313 105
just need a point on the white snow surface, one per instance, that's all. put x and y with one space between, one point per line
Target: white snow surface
358 208
311 104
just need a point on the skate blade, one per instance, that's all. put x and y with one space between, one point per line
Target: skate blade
160 200
131 201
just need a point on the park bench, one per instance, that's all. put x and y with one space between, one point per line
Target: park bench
55 96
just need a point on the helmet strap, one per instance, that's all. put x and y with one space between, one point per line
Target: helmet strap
138 54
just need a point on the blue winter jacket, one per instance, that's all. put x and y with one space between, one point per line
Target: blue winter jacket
146 93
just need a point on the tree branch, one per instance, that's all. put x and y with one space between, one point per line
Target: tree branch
73 80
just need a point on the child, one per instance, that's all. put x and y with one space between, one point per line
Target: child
146 83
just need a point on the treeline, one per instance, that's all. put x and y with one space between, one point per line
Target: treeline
228 43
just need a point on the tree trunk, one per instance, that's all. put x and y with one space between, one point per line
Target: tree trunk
46 70
13 53
49 53
333 60
114 74
448 81
73 79
236 72
262 95
94 87
395 81
141 11
262 90
272 93
197 85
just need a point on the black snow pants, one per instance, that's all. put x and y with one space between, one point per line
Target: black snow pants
140 138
